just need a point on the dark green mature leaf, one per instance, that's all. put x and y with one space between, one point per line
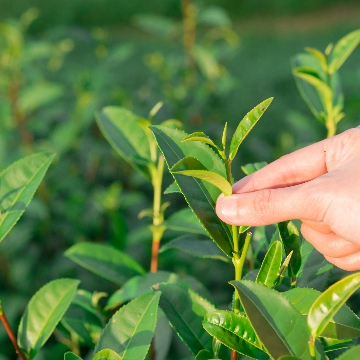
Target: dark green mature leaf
345 324
251 168
288 357
204 355
71 356
121 128
289 236
352 354
172 188
106 354
198 248
44 311
190 166
329 303
277 323
246 124
315 270
200 195
18 183
234 331
130 331
335 344
81 330
162 337
185 311
271 265
343 49
139 285
104 261
185 220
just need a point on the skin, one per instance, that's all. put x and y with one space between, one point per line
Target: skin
319 184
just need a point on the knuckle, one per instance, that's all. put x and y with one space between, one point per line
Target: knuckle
262 206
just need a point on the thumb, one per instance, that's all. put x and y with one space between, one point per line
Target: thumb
270 206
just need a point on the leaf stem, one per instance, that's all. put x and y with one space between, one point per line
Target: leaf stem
312 348
11 334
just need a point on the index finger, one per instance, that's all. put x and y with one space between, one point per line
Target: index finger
292 169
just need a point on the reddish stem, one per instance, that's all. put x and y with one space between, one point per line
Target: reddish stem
154 255
233 355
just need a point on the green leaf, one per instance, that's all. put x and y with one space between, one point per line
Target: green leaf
123 131
352 354
18 183
44 311
319 56
271 265
130 331
282 271
289 236
345 324
162 337
195 168
330 301
140 285
335 344
71 356
185 311
106 354
200 136
204 355
343 49
246 124
198 248
200 195
251 168
185 220
235 332
315 270
277 323
105 261
172 188
288 357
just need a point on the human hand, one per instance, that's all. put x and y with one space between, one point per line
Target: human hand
319 184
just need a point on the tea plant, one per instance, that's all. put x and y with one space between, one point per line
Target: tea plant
317 77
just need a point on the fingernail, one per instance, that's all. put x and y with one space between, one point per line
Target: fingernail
228 207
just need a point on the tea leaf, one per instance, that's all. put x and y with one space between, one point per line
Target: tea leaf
319 56
198 248
343 49
185 220
289 236
200 195
18 183
345 324
282 271
288 357
279 326
351 354
271 265
185 311
163 336
130 331
123 131
335 344
172 188
200 136
105 261
193 167
106 354
251 168
246 124
204 355
44 311
71 356
235 332
329 303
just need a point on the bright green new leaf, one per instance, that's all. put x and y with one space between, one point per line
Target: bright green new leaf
106 354
155 109
18 183
185 220
130 331
71 356
198 248
140 285
342 50
172 188
345 324
318 55
235 332
329 302
271 265
123 131
193 167
246 124
352 354
282 271
289 236
251 168
223 139
200 136
315 270
185 311
44 311
200 195
277 323
105 261
335 344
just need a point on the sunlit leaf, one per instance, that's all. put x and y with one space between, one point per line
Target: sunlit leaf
319 56
106 355
172 188
200 136
351 354
335 344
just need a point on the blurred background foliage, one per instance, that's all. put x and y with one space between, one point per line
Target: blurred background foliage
62 61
